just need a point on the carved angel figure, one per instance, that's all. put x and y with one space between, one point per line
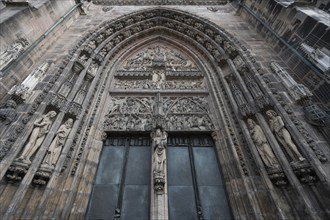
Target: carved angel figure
262 144
159 156
41 128
283 136
55 148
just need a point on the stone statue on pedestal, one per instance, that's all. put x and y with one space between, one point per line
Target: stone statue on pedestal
55 148
262 144
159 139
283 136
38 134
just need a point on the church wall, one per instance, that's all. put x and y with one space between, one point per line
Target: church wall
66 194
297 24
30 23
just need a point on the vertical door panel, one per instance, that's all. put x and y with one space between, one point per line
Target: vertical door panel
206 166
182 203
138 166
110 166
136 202
178 166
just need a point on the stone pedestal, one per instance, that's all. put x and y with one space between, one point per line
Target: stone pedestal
43 174
17 171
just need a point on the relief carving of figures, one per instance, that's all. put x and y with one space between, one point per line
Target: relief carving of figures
169 84
38 134
176 122
159 143
186 105
12 52
8 113
25 89
189 113
146 58
283 136
297 91
127 113
262 144
57 144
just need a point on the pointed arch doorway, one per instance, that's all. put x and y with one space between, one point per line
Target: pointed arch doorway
159 86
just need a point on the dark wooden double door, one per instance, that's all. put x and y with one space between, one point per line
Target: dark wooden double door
122 184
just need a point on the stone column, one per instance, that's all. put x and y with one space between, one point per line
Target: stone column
159 203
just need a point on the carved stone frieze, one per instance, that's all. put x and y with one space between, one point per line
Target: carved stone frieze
188 113
159 2
182 105
157 55
168 84
129 114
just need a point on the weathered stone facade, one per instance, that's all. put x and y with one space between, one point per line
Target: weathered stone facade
158 72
